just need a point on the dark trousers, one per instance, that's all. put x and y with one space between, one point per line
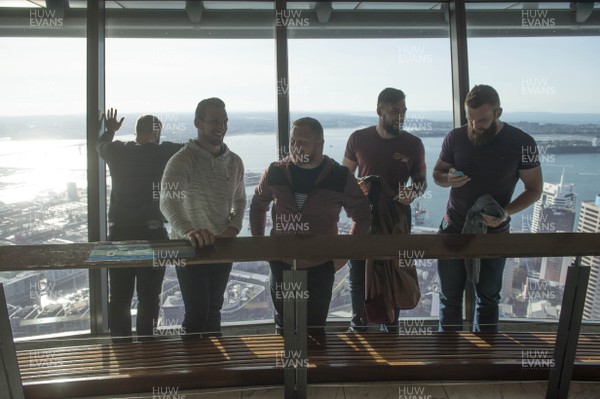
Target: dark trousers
453 278
202 289
357 295
319 289
123 281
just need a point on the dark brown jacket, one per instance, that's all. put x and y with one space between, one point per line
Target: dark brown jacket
390 284
335 188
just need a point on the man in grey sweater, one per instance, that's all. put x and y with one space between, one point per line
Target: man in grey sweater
203 197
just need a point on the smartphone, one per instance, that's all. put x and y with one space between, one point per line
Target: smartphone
457 172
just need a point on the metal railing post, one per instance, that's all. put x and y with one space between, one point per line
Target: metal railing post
295 332
569 326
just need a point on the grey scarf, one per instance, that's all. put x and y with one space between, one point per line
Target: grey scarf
474 225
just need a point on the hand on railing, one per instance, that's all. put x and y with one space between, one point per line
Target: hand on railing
200 237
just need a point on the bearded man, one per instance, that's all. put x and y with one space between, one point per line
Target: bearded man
486 156
388 151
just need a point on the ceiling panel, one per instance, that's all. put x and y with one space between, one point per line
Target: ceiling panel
152 5
18 4
380 5
239 5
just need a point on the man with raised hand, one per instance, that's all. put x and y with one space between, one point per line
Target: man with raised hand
136 168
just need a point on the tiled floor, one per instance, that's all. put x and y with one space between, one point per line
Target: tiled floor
388 390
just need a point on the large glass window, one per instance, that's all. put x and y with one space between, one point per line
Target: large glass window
162 59
340 60
167 78
543 74
43 183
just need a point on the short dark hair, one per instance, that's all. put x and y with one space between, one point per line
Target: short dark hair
311 123
208 102
147 124
482 94
389 95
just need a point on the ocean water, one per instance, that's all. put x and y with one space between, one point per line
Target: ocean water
34 168
583 170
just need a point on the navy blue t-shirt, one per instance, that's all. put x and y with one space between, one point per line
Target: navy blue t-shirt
136 171
493 168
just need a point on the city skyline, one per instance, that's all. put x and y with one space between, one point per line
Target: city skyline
539 79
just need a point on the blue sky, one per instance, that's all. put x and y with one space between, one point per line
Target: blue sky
47 76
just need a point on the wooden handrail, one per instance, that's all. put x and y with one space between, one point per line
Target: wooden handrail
425 246
67 256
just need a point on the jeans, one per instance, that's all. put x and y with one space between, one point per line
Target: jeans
453 277
357 295
123 281
202 289
319 286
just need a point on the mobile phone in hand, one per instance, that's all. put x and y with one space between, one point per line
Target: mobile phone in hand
457 172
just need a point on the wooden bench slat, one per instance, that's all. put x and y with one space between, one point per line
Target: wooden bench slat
103 369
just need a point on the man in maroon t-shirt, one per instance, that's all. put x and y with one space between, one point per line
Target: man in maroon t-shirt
486 156
394 154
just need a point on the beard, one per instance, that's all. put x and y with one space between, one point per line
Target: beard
391 129
484 137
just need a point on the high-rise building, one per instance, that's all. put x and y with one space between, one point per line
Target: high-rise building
555 209
554 212
555 269
589 222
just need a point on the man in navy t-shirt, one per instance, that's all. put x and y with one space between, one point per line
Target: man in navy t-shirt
486 156
136 168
